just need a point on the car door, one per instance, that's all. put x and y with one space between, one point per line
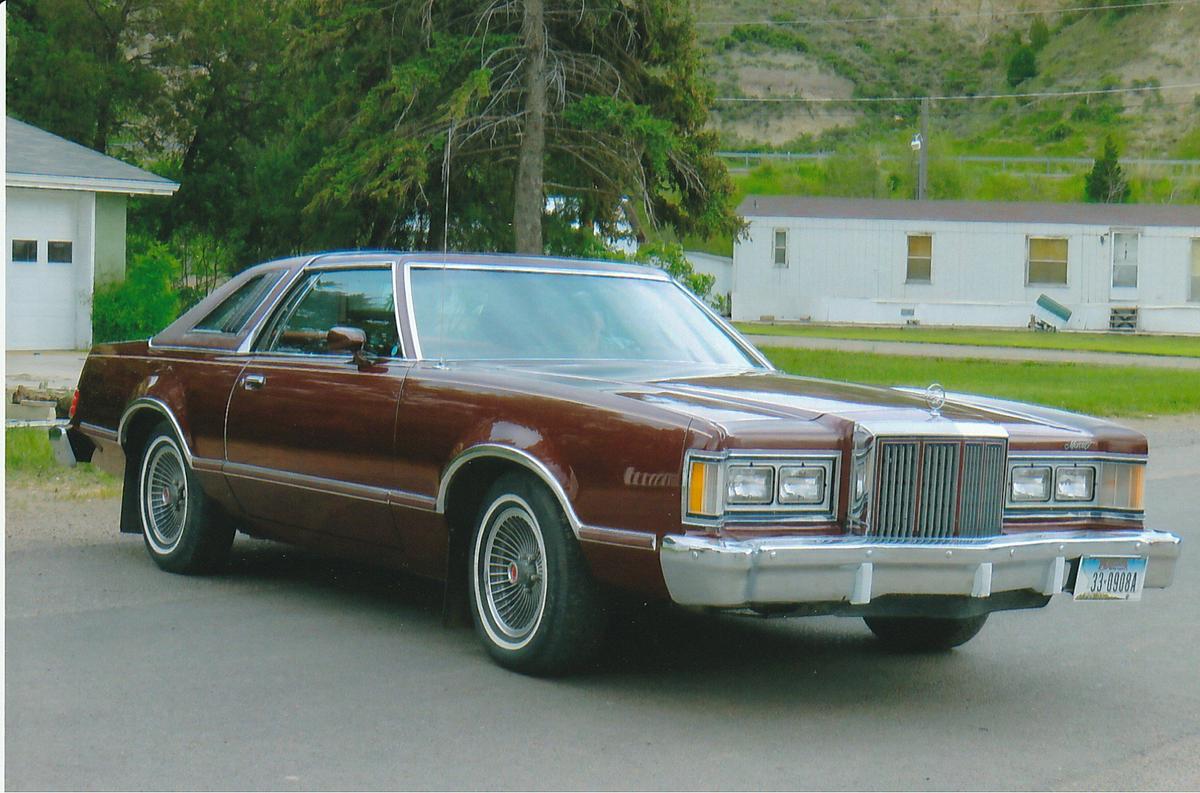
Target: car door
309 437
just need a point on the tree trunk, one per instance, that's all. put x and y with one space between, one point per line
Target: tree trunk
529 201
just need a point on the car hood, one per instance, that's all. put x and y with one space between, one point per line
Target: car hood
740 401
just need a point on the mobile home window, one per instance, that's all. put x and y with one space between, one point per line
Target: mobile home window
1047 261
920 258
24 251
1194 294
781 248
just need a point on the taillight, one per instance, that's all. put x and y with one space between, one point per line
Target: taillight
74 405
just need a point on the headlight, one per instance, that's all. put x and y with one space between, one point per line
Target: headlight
749 484
1092 484
760 486
1031 483
1074 483
801 484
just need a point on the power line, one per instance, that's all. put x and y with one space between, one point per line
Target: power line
955 97
939 17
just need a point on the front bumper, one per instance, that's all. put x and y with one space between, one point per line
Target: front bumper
793 571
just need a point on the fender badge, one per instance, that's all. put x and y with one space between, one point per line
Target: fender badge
935 398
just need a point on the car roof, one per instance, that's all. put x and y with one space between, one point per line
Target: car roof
497 260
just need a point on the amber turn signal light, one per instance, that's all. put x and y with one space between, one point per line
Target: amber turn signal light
703 494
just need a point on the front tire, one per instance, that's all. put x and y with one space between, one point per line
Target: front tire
533 601
183 530
925 634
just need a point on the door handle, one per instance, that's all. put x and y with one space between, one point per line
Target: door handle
253 382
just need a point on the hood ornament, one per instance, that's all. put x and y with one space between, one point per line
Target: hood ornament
935 398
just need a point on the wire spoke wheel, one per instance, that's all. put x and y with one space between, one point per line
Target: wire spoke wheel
511 572
164 495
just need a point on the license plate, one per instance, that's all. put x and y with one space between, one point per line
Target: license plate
1110 578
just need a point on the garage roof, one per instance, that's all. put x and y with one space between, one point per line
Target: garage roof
36 158
972 211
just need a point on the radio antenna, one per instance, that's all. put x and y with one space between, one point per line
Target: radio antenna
445 235
446 190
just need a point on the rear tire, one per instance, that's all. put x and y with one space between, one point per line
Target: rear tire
184 531
533 601
925 634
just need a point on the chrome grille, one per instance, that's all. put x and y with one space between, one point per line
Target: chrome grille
938 488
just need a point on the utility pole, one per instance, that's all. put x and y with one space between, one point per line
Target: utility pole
923 162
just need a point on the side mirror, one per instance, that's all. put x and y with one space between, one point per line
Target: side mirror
351 340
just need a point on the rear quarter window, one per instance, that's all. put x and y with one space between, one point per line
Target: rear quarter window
232 313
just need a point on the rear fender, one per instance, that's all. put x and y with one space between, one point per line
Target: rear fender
155 400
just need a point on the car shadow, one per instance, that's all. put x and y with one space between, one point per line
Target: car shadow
664 651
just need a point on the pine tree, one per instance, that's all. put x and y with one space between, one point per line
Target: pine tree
1106 182
599 103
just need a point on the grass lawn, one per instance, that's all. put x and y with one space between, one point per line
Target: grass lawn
1179 346
1099 390
29 463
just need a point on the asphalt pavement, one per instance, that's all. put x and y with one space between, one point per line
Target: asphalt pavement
289 671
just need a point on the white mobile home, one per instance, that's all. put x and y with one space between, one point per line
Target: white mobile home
968 263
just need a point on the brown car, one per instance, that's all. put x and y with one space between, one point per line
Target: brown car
543 433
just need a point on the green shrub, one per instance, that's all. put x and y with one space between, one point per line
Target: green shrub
669 257
1039 33
145 302
753 36
1022 65
1054 134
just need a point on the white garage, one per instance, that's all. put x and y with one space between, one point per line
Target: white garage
64 234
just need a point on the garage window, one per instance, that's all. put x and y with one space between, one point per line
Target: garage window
1047 261
57 251
920 259
24 251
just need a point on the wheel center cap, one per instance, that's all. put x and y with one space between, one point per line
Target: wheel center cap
514 573
167 497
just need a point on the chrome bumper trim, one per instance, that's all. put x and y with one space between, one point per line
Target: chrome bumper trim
705 571
63 453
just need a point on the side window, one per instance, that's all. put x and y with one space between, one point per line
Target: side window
780 247
231 315
326 299
1046 261
920 259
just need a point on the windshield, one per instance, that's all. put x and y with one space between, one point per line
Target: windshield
509 314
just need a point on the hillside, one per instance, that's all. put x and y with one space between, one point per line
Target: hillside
843 49
855 49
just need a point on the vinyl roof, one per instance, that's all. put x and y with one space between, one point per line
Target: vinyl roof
972 211
36 158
